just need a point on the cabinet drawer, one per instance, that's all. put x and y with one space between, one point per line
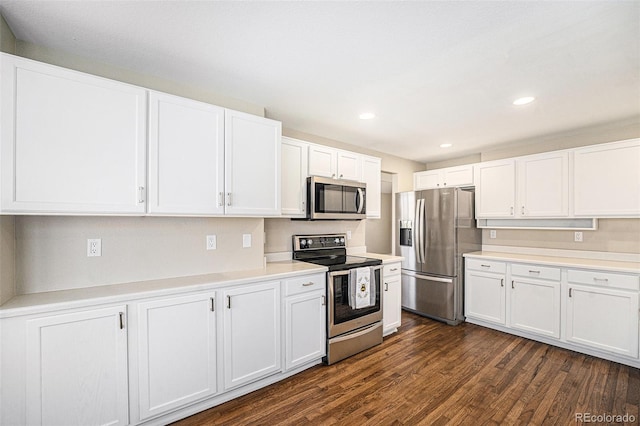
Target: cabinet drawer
604 279
485 265
303 284
535 271
390 270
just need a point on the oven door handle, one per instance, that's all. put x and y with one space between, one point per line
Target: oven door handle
357 333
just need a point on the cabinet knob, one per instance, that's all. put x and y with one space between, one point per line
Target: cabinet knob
341 176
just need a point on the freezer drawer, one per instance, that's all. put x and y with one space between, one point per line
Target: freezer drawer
433 297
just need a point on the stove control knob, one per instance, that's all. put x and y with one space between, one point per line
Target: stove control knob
309 242
303 242
342 240
337 240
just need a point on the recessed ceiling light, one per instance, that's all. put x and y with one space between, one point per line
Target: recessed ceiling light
446 145
367 116
524 101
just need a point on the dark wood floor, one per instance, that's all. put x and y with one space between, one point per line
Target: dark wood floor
433 374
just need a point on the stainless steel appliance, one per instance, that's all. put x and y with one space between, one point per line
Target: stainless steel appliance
335 199
436 227
349 330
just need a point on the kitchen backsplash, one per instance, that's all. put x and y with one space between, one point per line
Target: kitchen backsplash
51 252
612 235
279 231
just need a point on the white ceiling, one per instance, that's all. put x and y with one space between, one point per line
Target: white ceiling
432 72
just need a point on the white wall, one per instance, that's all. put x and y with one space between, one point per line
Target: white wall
51 251
7 258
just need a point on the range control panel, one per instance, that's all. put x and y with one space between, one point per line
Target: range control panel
316 242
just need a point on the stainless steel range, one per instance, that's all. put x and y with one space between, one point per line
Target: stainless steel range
354 318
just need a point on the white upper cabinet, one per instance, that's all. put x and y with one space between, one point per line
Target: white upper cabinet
531 186
186 156
371 176
70 142
439 178
334 163
252 164
495 189
543 185
607 180
294 177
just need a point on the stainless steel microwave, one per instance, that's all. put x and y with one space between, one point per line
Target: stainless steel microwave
335 199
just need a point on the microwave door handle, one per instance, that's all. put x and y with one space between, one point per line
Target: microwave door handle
360 200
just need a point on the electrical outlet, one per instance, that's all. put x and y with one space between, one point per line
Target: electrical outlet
94 247
577 237
348 235
246 240
492 233
211 242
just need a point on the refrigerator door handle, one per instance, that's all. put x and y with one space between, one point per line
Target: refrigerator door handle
424 277
416 231
422 231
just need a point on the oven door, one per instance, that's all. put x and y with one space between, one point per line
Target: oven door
342 317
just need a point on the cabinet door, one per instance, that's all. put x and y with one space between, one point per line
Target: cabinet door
426 180
534 306
485 297
322 161
543 185
602 318
294 177
371 176
177 352
251 333
71 142
186 156
305 325
77 369
391 304
457 176
252 164
495 189
349 166
606 180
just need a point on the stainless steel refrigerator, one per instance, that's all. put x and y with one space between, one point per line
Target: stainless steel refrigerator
436 227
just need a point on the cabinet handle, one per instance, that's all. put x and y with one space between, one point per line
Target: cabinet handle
486 266
121 320
386 286
308 284
512 286
213 304
228 198
341 176
569 291
140 194
228 302
393 269
220 197
522 210
533 272
501 282
445 184
333 176
324 300
511 210
601 279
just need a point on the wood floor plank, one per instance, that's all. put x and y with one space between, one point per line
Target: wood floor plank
430 373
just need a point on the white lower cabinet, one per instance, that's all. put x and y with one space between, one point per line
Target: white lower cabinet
76 368
590 311
177 352
391 298
251 317
534 300
603 317
305 308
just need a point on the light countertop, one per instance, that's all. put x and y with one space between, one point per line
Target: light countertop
386 258
572 262
66 299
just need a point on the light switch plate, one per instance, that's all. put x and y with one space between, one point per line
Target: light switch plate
492 233
246 240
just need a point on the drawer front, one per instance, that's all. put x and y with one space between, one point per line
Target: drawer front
604 279
303 284
485 265
390 270
535 271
